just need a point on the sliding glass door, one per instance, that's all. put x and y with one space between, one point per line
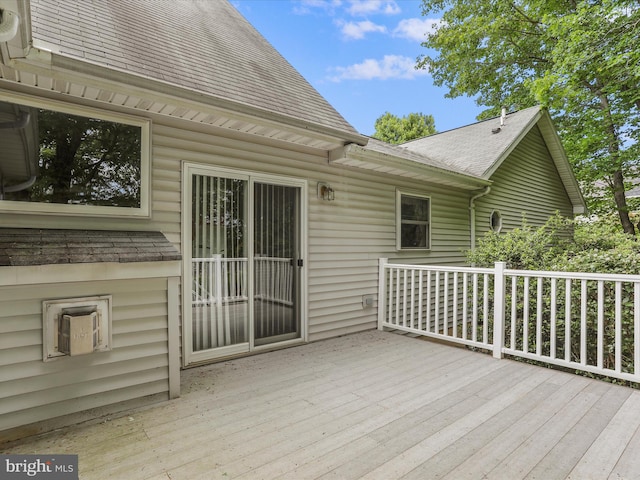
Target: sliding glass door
245 264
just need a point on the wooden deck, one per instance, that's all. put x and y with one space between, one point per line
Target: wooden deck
374 405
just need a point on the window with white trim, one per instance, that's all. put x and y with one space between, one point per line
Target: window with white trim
58 158
413 216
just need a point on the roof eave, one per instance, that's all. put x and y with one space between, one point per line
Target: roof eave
43 62
358 156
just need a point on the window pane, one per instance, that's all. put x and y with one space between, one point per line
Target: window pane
413 225
414 235
415 208
218 217
68 159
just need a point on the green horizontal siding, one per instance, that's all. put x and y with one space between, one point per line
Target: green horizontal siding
526 184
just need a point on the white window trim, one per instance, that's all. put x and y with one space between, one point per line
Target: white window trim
144 210
409 193
499 227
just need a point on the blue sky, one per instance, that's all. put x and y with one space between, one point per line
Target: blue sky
360 55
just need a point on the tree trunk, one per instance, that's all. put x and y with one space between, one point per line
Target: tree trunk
621 203
614 152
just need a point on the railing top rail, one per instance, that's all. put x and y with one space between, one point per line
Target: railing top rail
218 258
273 259
574 275
436 268
611 277
240 259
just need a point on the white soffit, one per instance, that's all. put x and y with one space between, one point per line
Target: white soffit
39 70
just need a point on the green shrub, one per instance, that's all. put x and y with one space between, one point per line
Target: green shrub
597 246
524 248
561 245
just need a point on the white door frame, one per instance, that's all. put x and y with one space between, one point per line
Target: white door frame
189 357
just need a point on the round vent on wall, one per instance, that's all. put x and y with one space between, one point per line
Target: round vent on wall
495 221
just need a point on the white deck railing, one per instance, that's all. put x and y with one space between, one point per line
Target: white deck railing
219 280
274 279
582 321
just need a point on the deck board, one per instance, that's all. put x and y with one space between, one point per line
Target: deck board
502 453
629 464
374 405
605 452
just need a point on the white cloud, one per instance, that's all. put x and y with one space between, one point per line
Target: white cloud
305 7
357 30
390 67
416 28
368 7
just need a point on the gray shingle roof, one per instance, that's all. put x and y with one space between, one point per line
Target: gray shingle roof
422 157
205 46
475 148
27 246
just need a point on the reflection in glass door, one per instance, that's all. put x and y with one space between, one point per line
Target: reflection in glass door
220 301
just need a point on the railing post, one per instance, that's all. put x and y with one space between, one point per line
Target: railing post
498 309
217 275
382 262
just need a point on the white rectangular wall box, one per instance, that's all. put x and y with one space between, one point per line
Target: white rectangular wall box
78 334
76 326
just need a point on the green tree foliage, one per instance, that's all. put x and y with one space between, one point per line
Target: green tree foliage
393 129
87 161
578 58
562 245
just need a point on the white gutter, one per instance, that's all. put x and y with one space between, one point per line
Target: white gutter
472 215
15 29
9 24
19 123
16 188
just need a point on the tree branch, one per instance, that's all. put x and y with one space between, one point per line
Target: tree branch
532 21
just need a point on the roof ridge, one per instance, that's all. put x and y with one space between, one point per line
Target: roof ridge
471 124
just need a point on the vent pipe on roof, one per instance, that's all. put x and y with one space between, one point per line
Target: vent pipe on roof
503 116
9 23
